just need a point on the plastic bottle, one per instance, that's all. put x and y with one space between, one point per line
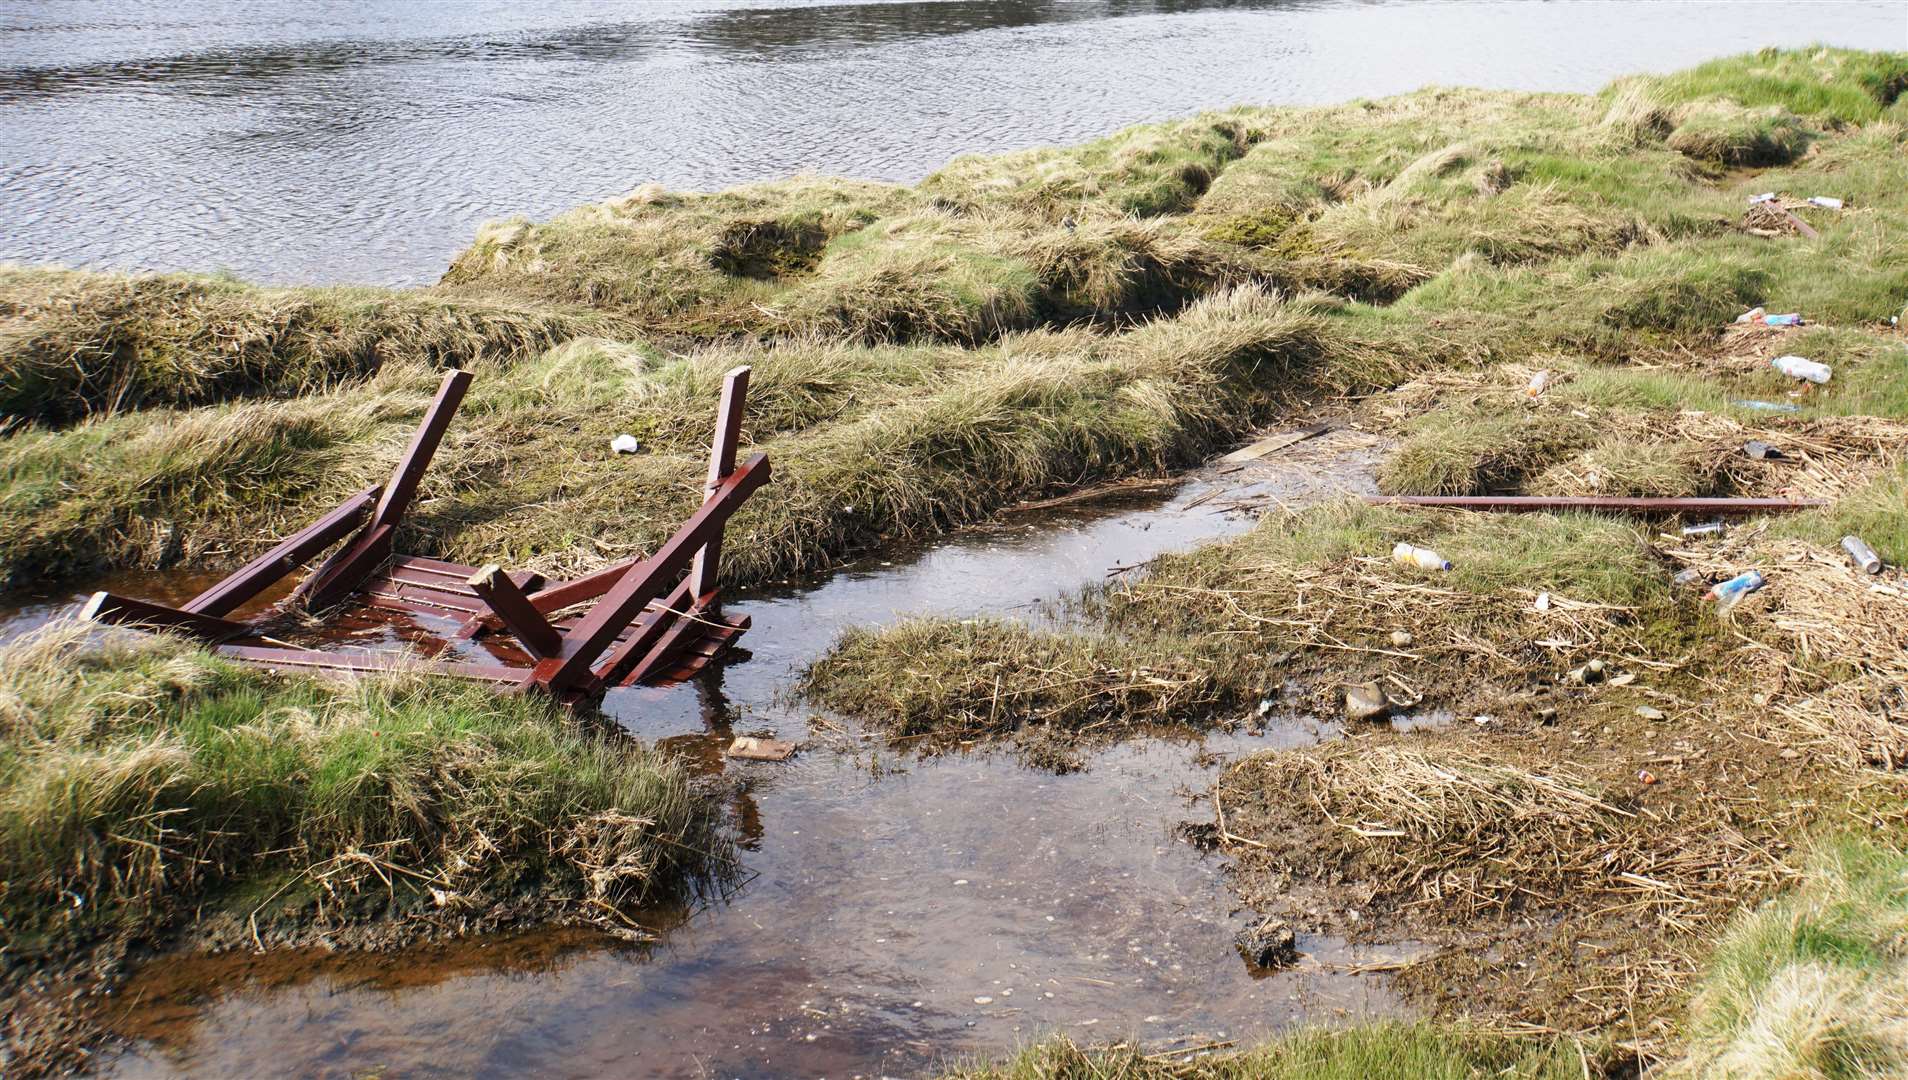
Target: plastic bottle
1793 318
1687 577
1422 558
1707 528
1751 315
1727 593
1537 383
1796 367
1767 406
1825 202
1767 196
1863 555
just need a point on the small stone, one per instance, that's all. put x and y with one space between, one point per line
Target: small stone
1271 944
1591 672
983 1000
1789 754
1400 639
1648 712
1365 701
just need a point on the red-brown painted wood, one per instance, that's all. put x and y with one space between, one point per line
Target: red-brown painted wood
108 607
1634 505
514 610
288 555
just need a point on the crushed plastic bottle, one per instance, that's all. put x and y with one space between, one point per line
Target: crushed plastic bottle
1863 555
1767 196
1825 202
1707 528
1537 383
1793 318
1730 592
1422 558
1751 315
1798 367
1767 406
1687 577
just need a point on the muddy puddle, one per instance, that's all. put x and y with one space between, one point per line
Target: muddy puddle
897 910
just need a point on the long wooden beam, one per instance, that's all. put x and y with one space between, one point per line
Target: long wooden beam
647 581
288 555
108 607
728 436
1631 505
417 457
514 610
666 621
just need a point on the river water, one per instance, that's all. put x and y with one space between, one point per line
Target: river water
898 909
360 140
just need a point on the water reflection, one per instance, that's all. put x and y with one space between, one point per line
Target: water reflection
362 141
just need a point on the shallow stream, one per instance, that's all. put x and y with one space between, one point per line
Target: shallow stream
896 909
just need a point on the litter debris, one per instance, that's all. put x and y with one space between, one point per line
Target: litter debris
1400 638
1691 576
1765 197
1275 442
1760 450
1825 202
1271 944
1750 316
1729 592
1624 679
750 748
1767 406
1591 672
625 444
1422 558
1649 712
1863 555
1537 383
1365 701
1791 319
1646 776
1796 367
1543 601
1707 528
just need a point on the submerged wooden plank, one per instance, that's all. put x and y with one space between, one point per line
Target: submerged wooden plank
108 607
1274 442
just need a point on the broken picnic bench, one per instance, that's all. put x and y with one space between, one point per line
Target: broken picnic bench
654 618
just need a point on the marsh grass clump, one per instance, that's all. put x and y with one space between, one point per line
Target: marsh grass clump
74 344
1384 1050
952 681
139 776
1814 983
1474 454
1723 133
1626 466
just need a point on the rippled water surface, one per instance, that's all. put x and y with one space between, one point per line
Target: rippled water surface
328 140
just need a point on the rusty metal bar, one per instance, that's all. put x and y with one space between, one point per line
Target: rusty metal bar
647 581
513 609
266 570
728 434
1632 505
105 607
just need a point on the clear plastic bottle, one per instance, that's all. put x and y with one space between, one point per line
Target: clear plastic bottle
1752 315
1537 383
1729 592
1791 319
1422 558
1797 367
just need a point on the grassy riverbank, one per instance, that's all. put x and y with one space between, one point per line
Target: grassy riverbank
145 785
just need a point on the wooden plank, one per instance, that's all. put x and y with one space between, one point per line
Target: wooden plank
365 660
639 644
686 628
417 457
434 566
728 434
560 595
341 575
1274 442
289 554
386 602
463 603
1527 503
105 607
647 581
514 610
